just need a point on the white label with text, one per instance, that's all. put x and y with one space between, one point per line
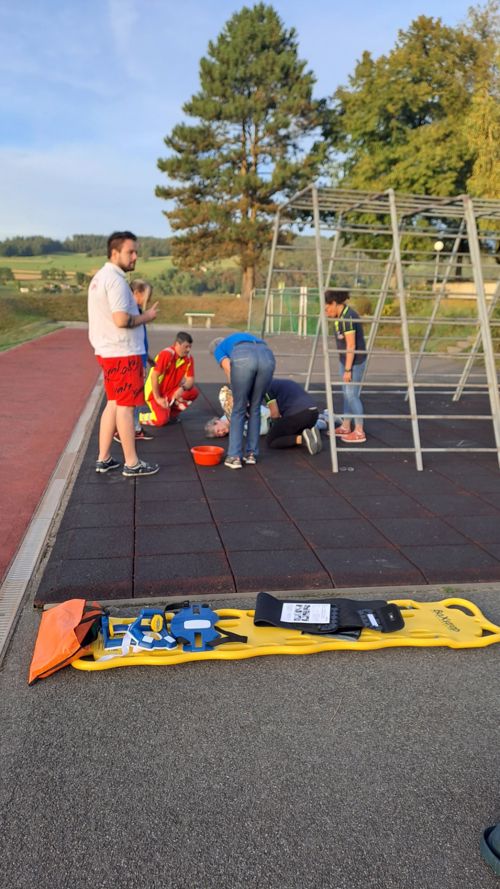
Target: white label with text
305 613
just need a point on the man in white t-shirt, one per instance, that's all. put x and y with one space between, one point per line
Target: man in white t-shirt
115 332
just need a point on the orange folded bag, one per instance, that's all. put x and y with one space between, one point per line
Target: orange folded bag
65 633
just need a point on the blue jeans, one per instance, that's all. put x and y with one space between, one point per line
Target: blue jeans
252 367
137 410
352 401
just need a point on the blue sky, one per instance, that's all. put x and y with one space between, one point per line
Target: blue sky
88 90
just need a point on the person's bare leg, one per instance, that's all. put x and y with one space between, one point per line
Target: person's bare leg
107 430
126 431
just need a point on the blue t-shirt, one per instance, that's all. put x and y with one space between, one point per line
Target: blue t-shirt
289 396
225 348
144 355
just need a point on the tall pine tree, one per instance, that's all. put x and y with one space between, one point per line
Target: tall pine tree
256 140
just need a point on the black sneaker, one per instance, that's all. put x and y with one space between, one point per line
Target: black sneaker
141 468
107 465
312 440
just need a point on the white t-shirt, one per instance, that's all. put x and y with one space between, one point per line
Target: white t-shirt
109 292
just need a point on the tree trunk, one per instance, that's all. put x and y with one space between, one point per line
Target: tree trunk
248 281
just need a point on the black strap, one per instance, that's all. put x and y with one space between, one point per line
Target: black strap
339 615
92 615
226 636
176 606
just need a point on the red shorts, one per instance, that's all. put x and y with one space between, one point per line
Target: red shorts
123 380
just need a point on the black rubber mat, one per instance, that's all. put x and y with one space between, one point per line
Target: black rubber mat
287 523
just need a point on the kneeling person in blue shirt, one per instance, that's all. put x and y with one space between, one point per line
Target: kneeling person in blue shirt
294 415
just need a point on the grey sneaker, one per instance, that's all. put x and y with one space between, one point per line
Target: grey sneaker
141 468
233 463
312 440
250 459
107 465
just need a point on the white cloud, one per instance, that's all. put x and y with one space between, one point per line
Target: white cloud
125 27
122 15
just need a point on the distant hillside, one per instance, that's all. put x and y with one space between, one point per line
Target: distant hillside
91 245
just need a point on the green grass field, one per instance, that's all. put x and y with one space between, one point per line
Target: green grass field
26 315
78 262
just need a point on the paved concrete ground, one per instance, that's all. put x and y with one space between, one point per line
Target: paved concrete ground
340 770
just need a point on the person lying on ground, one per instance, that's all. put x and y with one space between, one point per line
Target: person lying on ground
170 385
218 427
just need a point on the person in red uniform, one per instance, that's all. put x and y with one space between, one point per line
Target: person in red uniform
170 385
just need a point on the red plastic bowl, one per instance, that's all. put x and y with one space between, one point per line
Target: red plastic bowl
207 455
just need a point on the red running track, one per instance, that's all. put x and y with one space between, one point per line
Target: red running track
44 385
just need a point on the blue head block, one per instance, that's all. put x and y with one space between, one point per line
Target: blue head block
195 627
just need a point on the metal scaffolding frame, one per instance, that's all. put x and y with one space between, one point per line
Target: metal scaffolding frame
396 240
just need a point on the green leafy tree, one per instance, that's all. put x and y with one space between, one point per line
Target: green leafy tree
93 245
255 141
53 274
82 279
6 274
482 123
33 245
399 120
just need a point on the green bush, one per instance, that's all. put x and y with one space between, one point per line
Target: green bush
363 305
6 274
175 281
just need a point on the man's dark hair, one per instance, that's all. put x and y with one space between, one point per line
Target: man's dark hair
183 337
116 240
336 296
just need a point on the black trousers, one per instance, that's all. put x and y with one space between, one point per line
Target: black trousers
284 430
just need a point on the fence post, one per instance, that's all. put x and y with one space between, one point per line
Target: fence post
302 327
482 310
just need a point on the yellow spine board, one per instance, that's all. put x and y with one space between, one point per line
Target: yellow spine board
427 624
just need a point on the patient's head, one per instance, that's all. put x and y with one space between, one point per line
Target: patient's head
217 427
